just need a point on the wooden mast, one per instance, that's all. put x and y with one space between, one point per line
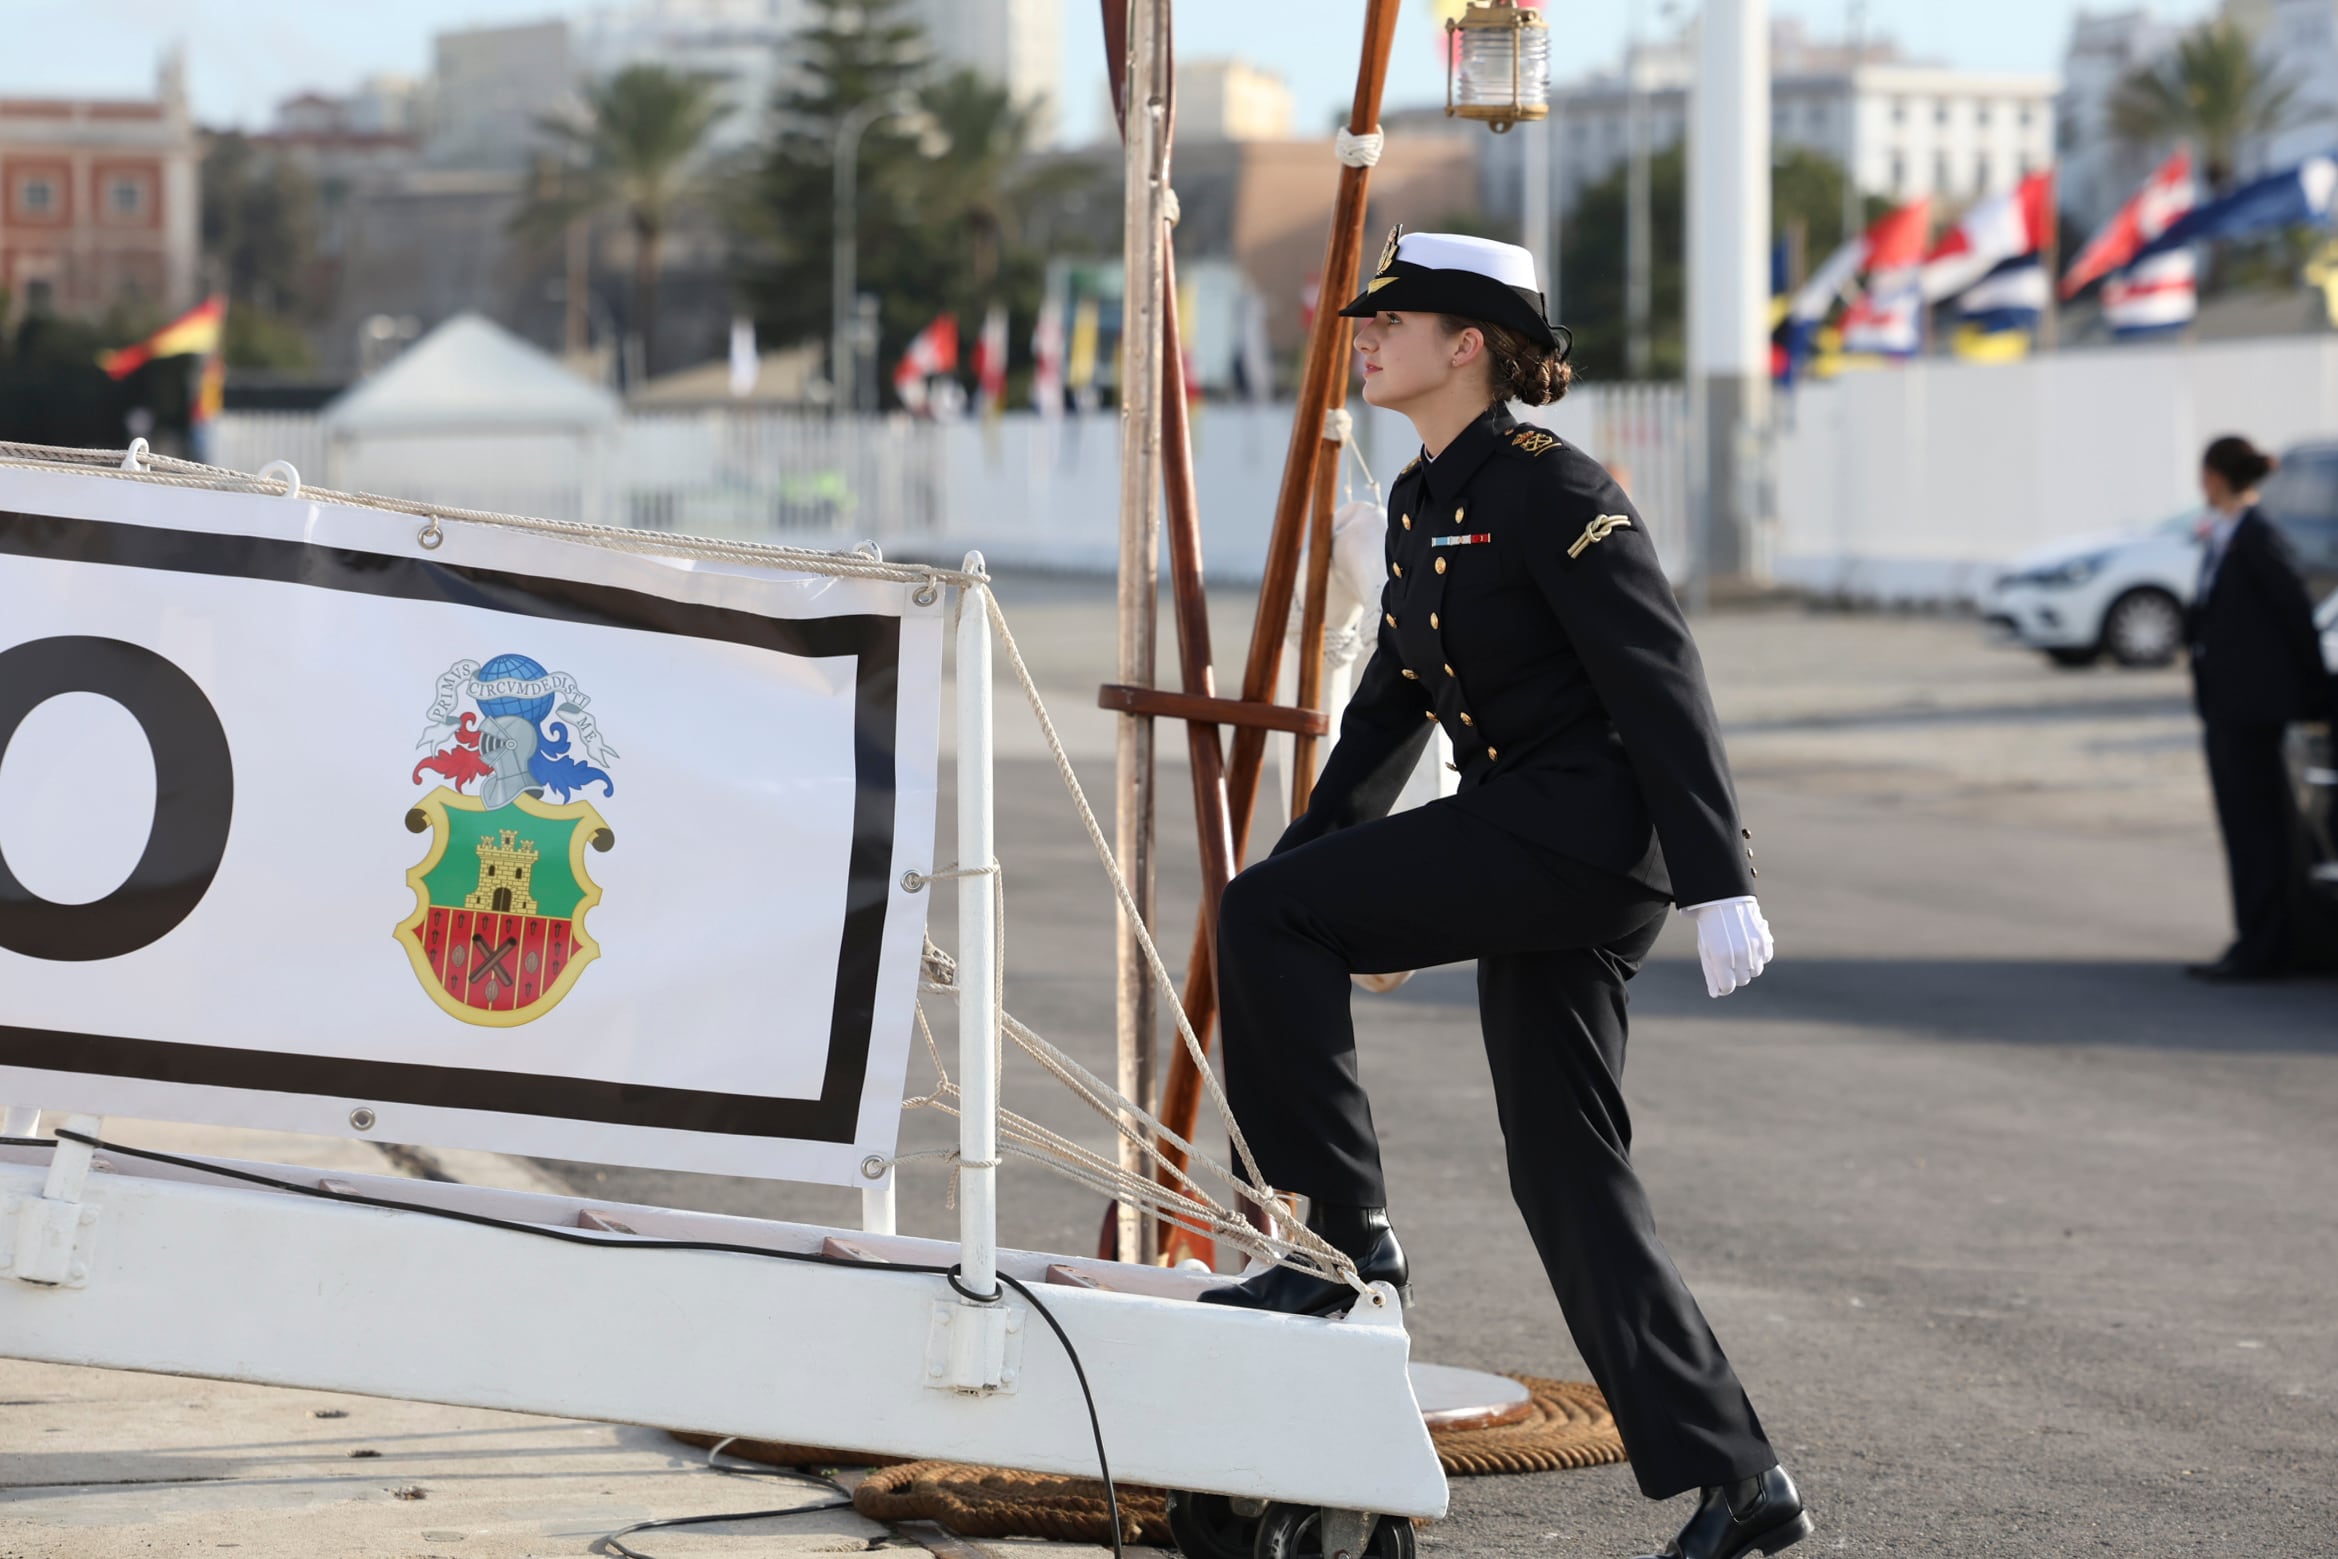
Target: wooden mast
1145 130
1325 378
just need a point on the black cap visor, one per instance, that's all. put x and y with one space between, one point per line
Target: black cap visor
1419 289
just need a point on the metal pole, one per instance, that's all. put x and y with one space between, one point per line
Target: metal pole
1535 207
1639 239
877 1206
1145 240
978 973
844 257
1728 271
1854 208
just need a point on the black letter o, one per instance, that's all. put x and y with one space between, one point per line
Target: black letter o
194 797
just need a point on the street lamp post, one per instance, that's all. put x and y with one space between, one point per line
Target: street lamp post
849 131
933 141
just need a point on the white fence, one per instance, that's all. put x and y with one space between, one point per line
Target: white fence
1917 483
1027 492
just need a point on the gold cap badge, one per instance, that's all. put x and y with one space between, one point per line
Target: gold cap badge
1388 250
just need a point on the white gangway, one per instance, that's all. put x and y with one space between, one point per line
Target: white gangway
857 1339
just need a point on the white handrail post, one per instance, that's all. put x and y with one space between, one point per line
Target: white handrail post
978 1015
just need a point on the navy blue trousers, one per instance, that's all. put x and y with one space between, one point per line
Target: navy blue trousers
1554 942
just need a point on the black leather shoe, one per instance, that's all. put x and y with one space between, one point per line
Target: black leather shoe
1760 1515
1360 1233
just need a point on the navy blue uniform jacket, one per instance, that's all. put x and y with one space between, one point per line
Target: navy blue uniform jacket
2256 654
1525 613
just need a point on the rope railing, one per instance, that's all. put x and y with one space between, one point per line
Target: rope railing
1188 1202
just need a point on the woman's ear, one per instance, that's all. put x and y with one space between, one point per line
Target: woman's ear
1468 346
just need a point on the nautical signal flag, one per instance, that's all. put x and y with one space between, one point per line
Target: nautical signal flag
1897 239
1087 334
933 350
1890 319
196 333
2294 197
990 362
2000 312
2149 212
2156 295
1047 350
1996 229
1887 322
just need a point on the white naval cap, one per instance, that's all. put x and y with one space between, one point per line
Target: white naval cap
1454 273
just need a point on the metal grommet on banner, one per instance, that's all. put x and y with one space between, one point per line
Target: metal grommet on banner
929 592
432 536
362 1118
913 882
873 1167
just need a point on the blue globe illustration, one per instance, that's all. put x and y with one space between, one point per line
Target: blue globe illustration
517 668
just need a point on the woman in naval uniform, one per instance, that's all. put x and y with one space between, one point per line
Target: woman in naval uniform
1525 615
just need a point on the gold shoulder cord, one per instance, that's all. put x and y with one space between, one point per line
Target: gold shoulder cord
1599 530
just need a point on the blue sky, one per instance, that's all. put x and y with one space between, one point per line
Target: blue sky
243 55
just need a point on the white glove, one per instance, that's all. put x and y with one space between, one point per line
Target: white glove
1733 942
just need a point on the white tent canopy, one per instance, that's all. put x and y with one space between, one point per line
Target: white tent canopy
471 374
474 417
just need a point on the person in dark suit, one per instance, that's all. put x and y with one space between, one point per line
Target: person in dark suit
1526 615
2256 666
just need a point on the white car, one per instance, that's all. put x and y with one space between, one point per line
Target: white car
2120 595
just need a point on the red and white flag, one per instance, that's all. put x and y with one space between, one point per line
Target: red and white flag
990 362
1047 359
1996 229
1890 317
2157 294
2165 196
933 350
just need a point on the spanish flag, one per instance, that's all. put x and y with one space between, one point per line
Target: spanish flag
195 333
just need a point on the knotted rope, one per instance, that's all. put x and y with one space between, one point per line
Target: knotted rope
1358 151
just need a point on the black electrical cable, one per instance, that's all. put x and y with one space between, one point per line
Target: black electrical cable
950 1274
614 1542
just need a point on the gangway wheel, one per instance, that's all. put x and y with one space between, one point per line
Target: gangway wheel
1214 1526
1295 1532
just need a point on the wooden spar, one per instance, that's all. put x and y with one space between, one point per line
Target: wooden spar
1310 690
1210 711
1326 344
1145 141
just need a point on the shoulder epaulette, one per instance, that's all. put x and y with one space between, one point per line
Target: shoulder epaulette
1533 441
1410 466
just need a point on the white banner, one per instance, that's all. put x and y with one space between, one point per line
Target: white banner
516 843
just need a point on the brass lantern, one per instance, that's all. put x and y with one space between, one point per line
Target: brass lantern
1497 64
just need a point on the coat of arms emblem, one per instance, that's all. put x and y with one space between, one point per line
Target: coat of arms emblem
497 936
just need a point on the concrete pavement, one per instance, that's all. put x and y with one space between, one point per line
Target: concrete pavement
2022 1242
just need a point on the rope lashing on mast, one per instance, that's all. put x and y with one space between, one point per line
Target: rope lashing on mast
1189 1202
1358 151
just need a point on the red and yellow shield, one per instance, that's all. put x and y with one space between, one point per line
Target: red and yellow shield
497 935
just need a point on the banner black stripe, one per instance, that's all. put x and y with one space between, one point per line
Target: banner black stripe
406 1082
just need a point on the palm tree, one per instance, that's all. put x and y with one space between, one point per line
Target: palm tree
2213 91
634 152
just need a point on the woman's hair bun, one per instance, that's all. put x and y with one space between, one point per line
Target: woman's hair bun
2242 464
1523 370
